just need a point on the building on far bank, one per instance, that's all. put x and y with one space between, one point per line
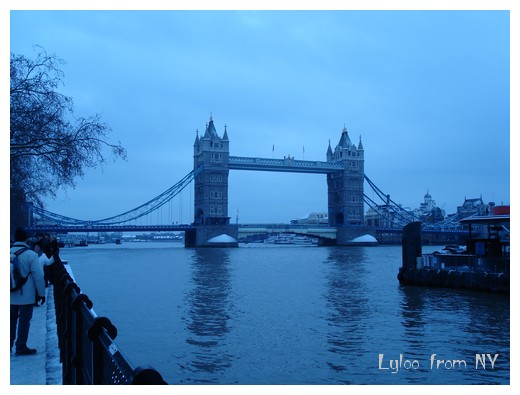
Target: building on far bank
383 216
428 211
475 206
313 218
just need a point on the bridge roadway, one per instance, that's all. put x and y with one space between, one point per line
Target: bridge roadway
108 228
244 230
432 229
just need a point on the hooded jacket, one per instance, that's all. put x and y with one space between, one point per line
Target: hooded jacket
34 286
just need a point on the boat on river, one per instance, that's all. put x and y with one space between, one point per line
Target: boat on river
290 238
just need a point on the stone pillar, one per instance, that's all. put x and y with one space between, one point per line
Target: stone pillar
215 236
19 216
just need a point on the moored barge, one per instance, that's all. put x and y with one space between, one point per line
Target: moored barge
483 264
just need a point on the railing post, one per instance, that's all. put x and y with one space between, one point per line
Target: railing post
67 332
99 324
55 278
147 376
87 352
78 360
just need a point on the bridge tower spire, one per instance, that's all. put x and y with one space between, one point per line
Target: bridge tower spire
330 155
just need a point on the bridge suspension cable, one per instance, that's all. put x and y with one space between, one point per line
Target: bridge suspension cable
393 212
127 216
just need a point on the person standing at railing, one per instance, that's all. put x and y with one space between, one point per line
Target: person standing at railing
22 300
43 258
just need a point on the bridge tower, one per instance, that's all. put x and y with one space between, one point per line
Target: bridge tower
345 188
211 186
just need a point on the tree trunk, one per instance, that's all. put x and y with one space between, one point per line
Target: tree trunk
19 212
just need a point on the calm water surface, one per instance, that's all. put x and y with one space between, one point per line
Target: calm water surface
263 314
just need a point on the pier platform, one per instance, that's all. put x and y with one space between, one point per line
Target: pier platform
449 278
44 367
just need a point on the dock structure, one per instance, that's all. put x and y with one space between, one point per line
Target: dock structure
482 265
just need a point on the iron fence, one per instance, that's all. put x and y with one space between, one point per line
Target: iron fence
88 353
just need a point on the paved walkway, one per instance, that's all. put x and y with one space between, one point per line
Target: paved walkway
44 367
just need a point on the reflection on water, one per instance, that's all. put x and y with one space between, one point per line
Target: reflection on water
209 307
446 325
301 315
413 319
347 307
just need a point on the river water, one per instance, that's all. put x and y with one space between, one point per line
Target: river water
266 314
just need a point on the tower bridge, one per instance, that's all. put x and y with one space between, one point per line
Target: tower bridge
344 169
345 182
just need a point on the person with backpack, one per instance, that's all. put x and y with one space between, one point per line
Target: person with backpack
27 285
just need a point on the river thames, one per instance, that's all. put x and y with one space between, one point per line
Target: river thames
267 314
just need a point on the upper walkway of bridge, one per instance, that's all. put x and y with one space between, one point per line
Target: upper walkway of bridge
288 164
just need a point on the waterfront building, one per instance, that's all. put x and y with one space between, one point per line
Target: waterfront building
383 216
428 210
380 216
474 206
320 218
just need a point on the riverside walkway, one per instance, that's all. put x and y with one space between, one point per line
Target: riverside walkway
44 367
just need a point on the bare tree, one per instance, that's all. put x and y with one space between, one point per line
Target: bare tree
50 147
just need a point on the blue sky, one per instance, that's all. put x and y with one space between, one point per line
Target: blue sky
428 91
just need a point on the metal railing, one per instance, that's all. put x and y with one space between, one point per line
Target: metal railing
284 165
465 262
87 350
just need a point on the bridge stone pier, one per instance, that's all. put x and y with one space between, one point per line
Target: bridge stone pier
344 169
212 236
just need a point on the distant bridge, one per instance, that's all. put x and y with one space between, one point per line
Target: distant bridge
250 231
243 229
389 211
55 223
86 228
345 177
